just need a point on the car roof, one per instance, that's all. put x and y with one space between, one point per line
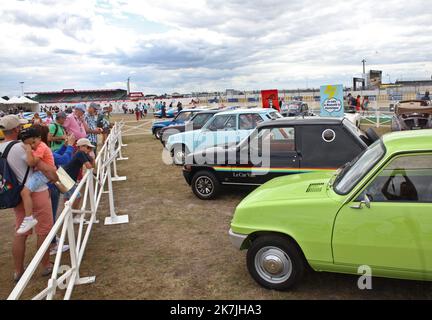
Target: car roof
195 110
410 140
253 110
209 111
301 121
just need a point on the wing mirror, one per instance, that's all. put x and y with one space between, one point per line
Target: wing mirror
365 202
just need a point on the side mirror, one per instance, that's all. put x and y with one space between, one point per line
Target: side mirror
365 202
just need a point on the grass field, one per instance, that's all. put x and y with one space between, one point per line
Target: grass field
176 246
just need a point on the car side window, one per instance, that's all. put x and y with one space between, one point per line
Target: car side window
222 122
282 139
201 119
249 121
405 179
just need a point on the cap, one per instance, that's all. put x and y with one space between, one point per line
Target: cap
94 105
84 142
10 122
61 114
81 106
31 132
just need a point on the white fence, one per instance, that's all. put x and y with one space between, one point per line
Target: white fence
91 188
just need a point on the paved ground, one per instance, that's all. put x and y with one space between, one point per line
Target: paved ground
177 247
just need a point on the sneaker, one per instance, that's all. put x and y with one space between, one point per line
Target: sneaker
53 251
77 219
27 224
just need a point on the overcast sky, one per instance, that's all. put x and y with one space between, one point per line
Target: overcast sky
199 45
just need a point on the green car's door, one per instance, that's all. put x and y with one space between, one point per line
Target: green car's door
395 233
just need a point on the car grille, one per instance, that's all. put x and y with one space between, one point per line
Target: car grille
418 123
315 187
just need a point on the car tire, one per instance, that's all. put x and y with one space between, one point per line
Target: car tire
179 153
275 262
157 133
205 185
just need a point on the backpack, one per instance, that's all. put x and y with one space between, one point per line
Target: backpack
10 188
55 133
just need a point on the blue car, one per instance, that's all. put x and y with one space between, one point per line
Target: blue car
182 117
229 127
170 113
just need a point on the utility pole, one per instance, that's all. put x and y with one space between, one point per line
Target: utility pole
22 88
364 66
364 73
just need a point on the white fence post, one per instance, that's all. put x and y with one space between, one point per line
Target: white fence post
66 277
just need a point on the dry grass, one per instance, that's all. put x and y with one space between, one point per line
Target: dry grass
177 247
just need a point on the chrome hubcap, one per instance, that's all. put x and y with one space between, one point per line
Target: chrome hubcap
273 265
179 156
204 186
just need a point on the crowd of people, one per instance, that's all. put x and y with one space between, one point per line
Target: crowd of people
34 152
357 104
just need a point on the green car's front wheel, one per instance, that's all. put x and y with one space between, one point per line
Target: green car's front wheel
275 262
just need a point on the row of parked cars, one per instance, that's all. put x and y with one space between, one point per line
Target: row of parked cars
329 196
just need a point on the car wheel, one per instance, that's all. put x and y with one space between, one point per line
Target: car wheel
179 153
157 133
275 262
205 185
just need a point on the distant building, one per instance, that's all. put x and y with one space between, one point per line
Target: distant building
75 96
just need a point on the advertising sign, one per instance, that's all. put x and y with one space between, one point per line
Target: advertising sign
332 102
270 99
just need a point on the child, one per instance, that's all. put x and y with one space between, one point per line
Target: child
36 151
81 158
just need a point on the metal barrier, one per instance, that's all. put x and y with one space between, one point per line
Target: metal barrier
91 187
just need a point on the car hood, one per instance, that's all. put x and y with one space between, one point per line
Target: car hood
183 137
162 123
292 187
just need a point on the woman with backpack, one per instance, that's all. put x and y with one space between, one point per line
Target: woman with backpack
57 135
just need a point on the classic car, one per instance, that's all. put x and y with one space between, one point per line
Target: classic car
375 212
170 113
275 148
225 127
197 121
412 115
181 117
295 108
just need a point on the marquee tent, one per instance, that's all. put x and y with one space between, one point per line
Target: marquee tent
22 102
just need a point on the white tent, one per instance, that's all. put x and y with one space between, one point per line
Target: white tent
24 103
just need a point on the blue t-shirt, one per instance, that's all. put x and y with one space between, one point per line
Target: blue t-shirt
73 168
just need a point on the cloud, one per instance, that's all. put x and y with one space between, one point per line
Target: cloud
210 45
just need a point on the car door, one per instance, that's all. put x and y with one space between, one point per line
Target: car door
395 233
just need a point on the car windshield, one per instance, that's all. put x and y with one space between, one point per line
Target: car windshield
355 170
183 116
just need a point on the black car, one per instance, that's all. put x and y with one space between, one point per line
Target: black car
197 121
276 148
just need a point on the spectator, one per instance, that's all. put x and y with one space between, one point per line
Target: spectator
74 123
37 119
163 110
49 119
57 135
104 123
91 119
358 104
73 168
365 103
137 113
179 106
11 126
426 97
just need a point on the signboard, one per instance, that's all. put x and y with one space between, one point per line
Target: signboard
375 78
270 99
332 102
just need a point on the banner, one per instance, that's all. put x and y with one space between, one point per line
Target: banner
270 99
332 101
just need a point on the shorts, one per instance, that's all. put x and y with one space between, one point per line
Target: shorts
69 194
36 181
42 211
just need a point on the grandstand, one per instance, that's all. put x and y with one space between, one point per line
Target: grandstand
76 96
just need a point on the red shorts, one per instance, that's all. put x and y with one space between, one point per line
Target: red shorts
42 211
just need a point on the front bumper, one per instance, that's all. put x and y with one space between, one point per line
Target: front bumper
236 238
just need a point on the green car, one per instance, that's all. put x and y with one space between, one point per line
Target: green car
375 211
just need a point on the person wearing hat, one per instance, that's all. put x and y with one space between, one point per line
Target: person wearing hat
74 123
91 119
11 126
57 135
81 159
